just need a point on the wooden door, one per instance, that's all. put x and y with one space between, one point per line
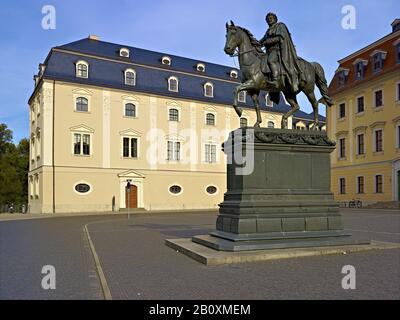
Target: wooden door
131 197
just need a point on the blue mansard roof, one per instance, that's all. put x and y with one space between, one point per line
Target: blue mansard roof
106 69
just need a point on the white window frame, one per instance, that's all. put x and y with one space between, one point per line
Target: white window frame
357 186
177 84
360 96
340 149
174 144
124 111
383 183
234 74
244 96
210 145
374 100
270 121
80 193
340 186
201 65
167 59
124 50
374 139
134 77
211 194
212 90
179 113
357 144
76 101
76 69
137 146
31 187
205 118
175 184
81 151
38 144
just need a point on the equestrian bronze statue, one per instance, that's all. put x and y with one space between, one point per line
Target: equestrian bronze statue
279 69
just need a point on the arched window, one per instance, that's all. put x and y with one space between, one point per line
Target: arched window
271 124
82 104
201 67
173 115
130 77
130 110
233 74
243 122
210 119
82 69
124 52
173 84
209 89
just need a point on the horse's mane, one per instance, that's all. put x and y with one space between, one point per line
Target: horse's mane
254 42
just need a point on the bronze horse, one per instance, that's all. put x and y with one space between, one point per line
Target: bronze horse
254 80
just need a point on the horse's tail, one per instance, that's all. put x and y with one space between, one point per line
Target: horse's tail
322 85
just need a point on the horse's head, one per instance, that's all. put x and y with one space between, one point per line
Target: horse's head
232 38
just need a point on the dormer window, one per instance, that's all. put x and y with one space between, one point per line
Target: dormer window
173 84
268 101
233 74
82 69
166 60
359 68
342 75
242 96
397 50
130 77
378 57
201 67
208 89
124 52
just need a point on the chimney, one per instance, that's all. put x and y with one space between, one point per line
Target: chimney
396 25
94 37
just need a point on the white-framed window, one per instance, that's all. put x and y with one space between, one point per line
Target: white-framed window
201 67
342 110
173 150
360 104
360 144
210 119
242 96
38 143
175 189
342 148
211 190
243 122
398 136
379 183
37 191
82 188
33 150
81 144
130 110
130 77
173 84
342 185
130 147
31 187
209 90
378 140
233 74
360 185
210 153
271 124
268 101
173 114
82 104
166 60
124 52
378 98
82 69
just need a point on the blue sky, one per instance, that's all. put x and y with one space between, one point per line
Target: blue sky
194 29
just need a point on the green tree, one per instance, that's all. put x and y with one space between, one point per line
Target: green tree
14 167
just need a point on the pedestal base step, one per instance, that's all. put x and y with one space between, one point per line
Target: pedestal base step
208 256
220 244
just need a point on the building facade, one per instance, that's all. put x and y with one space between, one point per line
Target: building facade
365 122
103 114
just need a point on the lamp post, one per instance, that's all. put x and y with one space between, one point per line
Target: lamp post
128 187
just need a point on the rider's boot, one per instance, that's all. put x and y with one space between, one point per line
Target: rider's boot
275 77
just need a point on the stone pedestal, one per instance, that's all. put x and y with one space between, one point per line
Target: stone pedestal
280 196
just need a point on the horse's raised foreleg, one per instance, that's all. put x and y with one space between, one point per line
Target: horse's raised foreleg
254 97
311 97
248 85
291 98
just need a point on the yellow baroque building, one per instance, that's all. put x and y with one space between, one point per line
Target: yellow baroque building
365 122
103 115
